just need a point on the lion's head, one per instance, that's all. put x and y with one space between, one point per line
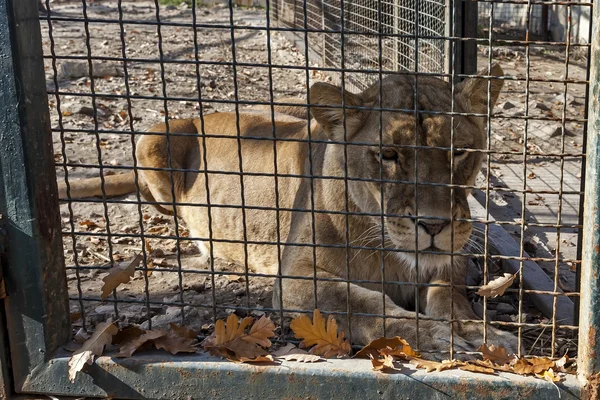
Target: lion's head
415 146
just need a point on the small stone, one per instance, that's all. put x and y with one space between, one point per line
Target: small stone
530 248
198 287
539 106
508 105
558 132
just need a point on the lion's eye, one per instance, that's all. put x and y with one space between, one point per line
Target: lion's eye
388 155
459 153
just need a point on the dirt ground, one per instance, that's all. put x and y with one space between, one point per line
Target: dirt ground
96 233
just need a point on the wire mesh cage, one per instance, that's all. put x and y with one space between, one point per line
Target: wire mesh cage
273 159
412 30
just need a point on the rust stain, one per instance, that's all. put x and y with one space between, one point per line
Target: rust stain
591 391
591 340
597 249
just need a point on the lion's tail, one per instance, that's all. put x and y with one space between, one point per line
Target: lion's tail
114 185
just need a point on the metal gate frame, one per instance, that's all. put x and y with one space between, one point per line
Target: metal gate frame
34 320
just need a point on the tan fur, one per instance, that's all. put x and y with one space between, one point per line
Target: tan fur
336 263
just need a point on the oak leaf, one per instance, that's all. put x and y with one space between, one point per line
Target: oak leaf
260 332
385 364
497 287
489 364
477 368
430 366
497 355
119 275
324 337
292 353
183 332
128 334
92 347
175 344
230 340
395 346
541 364
522 367
128 348
260 359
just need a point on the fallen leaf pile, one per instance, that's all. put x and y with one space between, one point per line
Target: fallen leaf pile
129 340
248 341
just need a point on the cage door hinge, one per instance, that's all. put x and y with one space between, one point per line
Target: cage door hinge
3 247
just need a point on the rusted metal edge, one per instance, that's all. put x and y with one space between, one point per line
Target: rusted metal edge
589 323
534 278
157 375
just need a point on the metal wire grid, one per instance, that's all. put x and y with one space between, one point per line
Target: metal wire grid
397 19
513 15
349 26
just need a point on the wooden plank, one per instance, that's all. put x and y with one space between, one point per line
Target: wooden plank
534 278
37 310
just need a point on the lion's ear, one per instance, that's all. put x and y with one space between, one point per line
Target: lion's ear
332 119
475 90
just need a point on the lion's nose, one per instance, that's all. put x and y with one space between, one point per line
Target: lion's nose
433 227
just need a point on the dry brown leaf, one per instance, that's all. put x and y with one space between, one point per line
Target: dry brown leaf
489 364
497 287
430 366
385 364
229 339
150 265
287 349
395 346
477 368
175 344
540 364
303 357
183 332
405 352
132 346
119 275
260 359
94 346
324 338
549 376
497 355
128 334
75 316
90 224
533 365
522 367
561 363
260 332
81 336
292 353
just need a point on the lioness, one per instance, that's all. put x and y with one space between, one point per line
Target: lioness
347 217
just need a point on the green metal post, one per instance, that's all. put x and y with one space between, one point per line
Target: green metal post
37 310
589 333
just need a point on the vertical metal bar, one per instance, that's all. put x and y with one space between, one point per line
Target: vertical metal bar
469 30
37 306
396 64
589 334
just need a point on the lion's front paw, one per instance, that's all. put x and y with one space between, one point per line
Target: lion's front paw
435 342
474 333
